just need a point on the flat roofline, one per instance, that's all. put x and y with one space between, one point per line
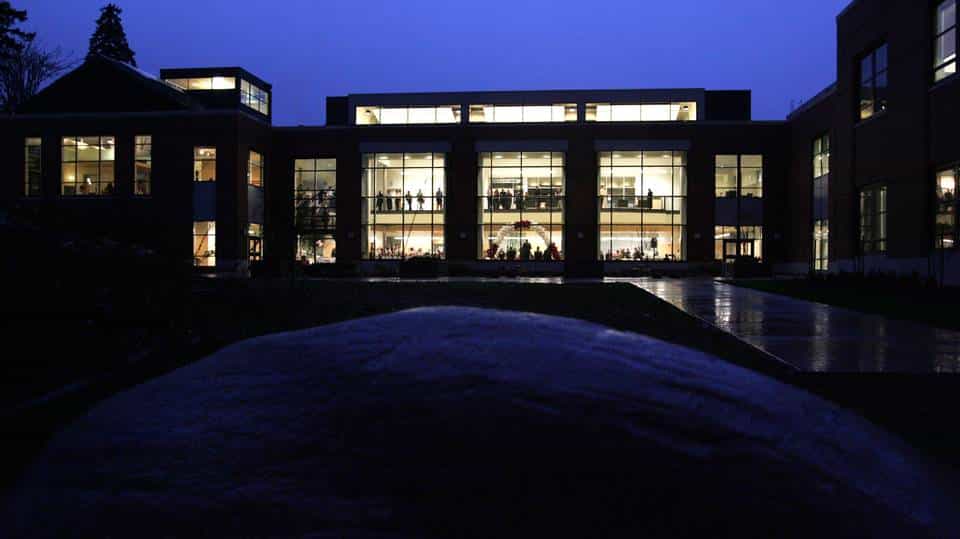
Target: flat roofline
460 97
235 71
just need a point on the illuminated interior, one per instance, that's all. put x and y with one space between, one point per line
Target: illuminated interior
520 199
376 115
204 164
315 210
642 204
205 244
739 175
685 111
946 223
254 97
255 242
563 112
821 202
945 42
88 166
402 205
255 169
728 244
143 165
205 83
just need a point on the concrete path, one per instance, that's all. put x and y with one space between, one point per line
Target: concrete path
813 336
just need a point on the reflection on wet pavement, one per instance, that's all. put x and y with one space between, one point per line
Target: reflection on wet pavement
812 336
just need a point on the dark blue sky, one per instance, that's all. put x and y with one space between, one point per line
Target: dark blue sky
309 49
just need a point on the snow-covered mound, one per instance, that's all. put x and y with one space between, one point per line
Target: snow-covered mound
473 423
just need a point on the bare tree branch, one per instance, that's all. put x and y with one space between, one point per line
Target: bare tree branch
25 71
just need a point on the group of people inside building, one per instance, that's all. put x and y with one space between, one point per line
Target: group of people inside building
518 199
525 253
395 202
318 211
397 252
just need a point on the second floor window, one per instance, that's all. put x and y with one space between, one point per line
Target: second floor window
88 166
873 82
945 40
255 169
821 156
739 175
204 164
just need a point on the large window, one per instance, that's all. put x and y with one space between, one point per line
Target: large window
254 97
873 219
402 205
88 166
739 175
143 165
32 167
520 202
563 112
945 41
204 164
255 169
315 209
375 115
205 244
648 112
946 221
873 82
821 200
642 201
205 83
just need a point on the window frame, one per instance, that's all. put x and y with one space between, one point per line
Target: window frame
820 227
251 165
197 158
100 162
937 34
875 75
876 217
307 202
140 161
27 183
953 206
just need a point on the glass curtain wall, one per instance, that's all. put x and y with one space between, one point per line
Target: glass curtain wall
564 112
377 115
315 210
643 205
520 199
402 205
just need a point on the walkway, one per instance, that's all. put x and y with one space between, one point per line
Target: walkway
813 336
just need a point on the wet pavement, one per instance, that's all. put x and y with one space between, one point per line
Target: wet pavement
813 336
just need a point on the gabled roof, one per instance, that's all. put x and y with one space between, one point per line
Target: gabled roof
102 84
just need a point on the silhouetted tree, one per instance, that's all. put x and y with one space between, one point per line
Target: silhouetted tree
12 39
109 39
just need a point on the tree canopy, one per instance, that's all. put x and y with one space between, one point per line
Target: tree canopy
12 39
109 38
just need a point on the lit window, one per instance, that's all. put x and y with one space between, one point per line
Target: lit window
821 199
88 166
255 169
143 165
377 115
254 97
945 41
204 164
315 209
402 205
205 244
873 219
566 112
520 200
873 82
255 242
946 220
32 167
647 112
642 201
739 175
204 83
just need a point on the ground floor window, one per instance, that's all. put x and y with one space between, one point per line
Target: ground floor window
731 242
946 220
520 205
821 242
316 248
32 167
873 219
205 244
255 242
402 205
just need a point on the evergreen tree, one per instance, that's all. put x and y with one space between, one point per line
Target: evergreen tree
12 39
109 39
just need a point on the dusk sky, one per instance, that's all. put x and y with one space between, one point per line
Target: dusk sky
310 49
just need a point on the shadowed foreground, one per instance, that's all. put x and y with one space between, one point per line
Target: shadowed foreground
467 422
